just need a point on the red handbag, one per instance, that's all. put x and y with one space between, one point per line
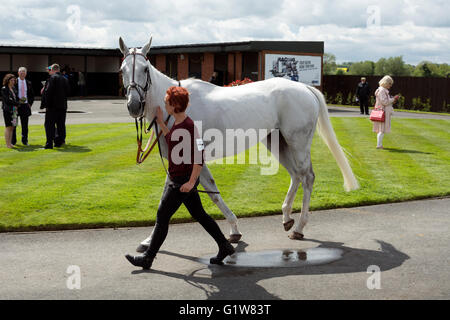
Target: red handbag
377 115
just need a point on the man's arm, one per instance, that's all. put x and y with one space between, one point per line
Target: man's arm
67 87
50 87
30 93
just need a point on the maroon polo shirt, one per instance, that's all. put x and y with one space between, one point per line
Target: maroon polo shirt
185 148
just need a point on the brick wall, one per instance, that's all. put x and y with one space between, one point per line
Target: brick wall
238 75
161 62
183 67
231 67
207 66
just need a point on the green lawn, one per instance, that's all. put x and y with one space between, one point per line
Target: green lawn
94 181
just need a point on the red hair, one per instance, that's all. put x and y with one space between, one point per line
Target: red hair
178 97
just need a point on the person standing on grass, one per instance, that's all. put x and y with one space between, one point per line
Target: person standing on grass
9 106
384 102
185 165
363 95
55 96
26 99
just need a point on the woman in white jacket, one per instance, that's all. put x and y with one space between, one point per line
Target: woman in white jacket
384 101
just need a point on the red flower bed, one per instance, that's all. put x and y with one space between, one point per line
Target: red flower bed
239 82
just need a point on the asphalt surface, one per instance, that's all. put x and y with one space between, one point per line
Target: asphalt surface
408 242
114 110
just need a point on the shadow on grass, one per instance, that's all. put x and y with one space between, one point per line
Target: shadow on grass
65 148
73 148
405 151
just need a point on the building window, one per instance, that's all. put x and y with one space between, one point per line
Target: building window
172 66
195 65
221 67
250 65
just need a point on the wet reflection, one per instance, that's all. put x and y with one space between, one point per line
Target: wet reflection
287 258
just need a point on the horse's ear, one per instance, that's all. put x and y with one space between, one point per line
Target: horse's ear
146 48
123 47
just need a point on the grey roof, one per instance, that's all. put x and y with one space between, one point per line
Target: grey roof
253 46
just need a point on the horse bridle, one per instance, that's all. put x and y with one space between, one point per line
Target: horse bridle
136 86
142 98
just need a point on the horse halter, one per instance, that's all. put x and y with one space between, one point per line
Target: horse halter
136 86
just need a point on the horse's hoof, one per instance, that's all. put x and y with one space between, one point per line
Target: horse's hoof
142 248
234 238
288 225
296 236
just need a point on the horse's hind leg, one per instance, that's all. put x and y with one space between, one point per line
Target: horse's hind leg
307 179
285 157
207 181
297 161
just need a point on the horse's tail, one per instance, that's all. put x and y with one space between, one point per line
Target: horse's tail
327 133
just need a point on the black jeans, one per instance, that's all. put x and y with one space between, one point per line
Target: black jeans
24 125
364 105
170 202
55 119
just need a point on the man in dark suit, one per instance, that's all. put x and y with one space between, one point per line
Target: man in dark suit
362 95
26 99
55 94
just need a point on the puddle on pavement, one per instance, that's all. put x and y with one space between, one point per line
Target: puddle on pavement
282 258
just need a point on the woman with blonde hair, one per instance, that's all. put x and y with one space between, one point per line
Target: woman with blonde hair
384 102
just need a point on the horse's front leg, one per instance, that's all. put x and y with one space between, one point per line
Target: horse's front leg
143 246
208 183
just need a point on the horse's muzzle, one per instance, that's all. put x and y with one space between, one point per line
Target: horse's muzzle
135 106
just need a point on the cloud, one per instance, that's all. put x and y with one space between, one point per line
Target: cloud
416 29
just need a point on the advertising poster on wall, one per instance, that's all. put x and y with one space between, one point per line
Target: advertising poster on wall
305 69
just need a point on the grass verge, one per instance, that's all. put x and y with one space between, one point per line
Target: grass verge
94 182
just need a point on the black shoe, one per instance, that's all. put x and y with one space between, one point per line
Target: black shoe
142 248
59 145
140 261
48 146
25 143
224 251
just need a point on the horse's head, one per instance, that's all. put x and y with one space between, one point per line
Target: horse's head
136 77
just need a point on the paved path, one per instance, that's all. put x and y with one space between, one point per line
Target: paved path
409 242
114 110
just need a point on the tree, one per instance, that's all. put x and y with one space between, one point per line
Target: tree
366 68
329 63
430 69
394 66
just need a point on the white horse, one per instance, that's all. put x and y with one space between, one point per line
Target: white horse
291 107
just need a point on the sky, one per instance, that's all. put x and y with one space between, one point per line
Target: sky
352 30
